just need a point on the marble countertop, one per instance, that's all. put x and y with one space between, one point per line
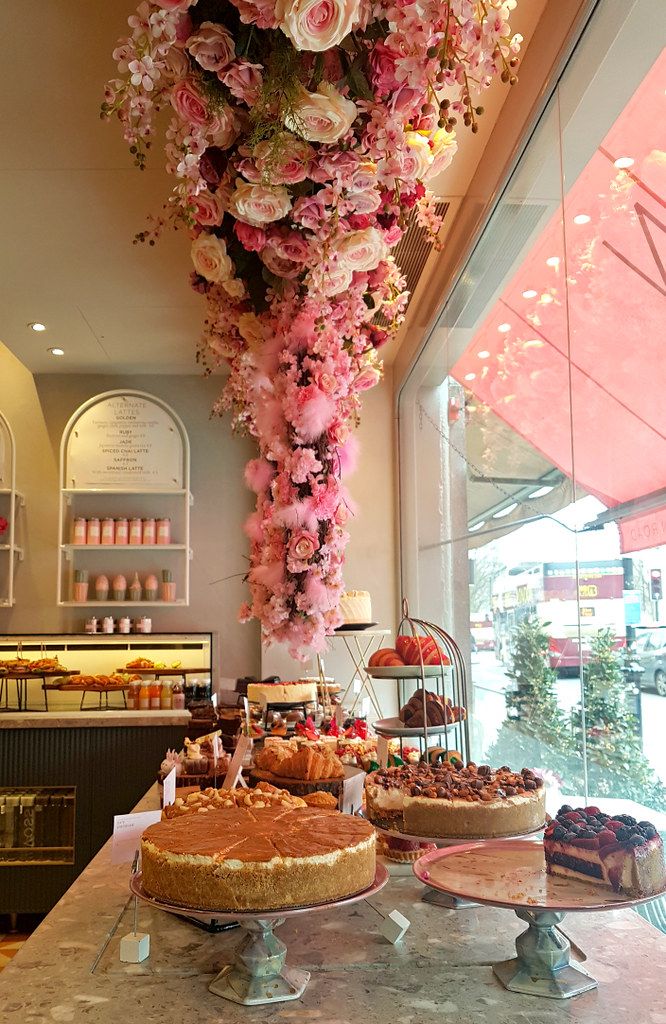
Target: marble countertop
69 970
90 719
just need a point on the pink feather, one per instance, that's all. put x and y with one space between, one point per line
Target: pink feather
348 454
298 514
258 475
315 414
252 527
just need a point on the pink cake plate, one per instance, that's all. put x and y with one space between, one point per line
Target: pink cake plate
511 873
258 974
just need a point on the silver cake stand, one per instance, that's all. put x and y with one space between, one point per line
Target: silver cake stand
433 894
259 973
512 874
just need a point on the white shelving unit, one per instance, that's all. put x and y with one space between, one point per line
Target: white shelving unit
11 503
124 454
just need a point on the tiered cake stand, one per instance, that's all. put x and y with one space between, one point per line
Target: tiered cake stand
512 874
259 973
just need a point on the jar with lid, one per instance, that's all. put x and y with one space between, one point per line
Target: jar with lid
164 531
108 531
168 588
166 696
122 531
135 531
93 531
79 530
148 531
178 696
133 695
80 585
155 690
144 696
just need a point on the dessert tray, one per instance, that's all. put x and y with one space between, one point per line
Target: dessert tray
394 727
349 627
405 671
511 873
259 973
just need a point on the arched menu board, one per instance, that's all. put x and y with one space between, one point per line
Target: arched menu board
122 440
6 455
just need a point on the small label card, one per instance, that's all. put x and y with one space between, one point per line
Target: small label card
382 751
213 699
169 789
233 776
352 790
127 829
339 715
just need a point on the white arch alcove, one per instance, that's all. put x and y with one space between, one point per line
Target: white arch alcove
10 503
124 455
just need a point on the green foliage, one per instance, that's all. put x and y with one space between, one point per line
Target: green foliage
533 700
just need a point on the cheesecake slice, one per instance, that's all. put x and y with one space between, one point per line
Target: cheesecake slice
616 851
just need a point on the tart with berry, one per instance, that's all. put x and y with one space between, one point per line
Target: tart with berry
615 851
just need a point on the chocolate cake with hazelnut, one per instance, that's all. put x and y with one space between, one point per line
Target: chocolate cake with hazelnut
615 851
455 800
257 858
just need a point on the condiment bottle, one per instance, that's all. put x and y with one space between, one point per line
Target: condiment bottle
122 531
80 585
168 586
155 694
164 531
150 586
108 531
144 696
79 530
133 695
135 531
102 588
178 696
148 532
119 587
166 696
93 534
124 624
135 588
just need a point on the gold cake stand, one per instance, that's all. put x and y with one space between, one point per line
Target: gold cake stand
259 973
511 873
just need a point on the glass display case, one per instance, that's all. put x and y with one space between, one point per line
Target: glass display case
37 825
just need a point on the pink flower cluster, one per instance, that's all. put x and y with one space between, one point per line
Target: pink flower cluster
292 229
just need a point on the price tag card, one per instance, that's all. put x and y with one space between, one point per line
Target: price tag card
233 776
213 700
382 751
352 790
169 789
127 829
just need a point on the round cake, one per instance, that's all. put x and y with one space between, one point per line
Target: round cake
240 858
356 608
299 692
455 801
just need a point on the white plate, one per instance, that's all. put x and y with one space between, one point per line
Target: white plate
393 727
405 671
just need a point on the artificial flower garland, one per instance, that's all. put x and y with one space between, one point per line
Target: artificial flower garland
301 135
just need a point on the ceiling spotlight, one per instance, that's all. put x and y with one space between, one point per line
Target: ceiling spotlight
477 526
483 354
37 327
470 376
505 511
504 328
541 492
56 351
553 261
530 294
582 218
623 162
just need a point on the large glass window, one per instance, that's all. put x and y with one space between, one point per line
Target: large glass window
533 437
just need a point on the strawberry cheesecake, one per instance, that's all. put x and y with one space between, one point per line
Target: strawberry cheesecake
616 851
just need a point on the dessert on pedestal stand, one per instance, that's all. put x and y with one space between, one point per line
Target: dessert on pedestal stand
511 873
259 973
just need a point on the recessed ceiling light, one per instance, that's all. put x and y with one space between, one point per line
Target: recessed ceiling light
37 327
582 218
553 261
56 351
470 376
541 492
504 328
623 162
546 297
477 526
505 511
530 294
483 354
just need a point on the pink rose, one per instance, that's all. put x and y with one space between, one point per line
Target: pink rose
321 116
382 63
338 433
316 24
251 238
289 165
290 245
183 30
309 211
212 46
176 5
280 266
303 545
367 378
188 103
364 202
327 383
223 127
259 204
362 250
341 514
208 210
243 80
257 12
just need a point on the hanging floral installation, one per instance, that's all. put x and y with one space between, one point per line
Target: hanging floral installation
301 134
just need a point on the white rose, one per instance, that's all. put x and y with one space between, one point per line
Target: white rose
362 250
444 148
338 279
322 116
210 259
259 204
364 202
417 159
316 24
234 287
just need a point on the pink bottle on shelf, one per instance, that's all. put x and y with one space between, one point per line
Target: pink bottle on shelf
135 531
148 534
79 531
164 531
108 531
93 532
122 531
